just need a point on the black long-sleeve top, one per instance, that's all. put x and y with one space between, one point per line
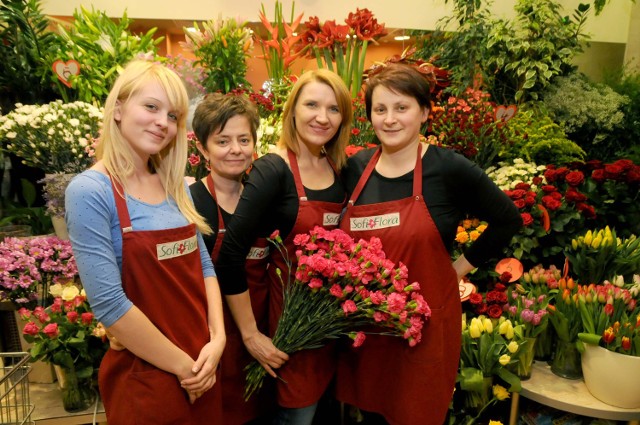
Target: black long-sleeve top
452 187
269 202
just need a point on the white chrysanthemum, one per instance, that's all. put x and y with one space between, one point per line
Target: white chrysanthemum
74 122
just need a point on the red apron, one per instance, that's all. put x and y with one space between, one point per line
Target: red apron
164 280
235 356
407 385
308 372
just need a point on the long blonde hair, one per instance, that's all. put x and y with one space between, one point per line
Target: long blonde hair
336 146
116 153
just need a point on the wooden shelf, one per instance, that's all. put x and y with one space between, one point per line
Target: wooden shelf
569 395
47 400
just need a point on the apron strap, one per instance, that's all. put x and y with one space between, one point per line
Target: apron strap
212 189
417 175
121 205
293 163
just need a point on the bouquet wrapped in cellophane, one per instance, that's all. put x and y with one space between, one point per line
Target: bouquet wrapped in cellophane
341 287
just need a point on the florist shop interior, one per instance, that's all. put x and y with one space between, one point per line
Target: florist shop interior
542 95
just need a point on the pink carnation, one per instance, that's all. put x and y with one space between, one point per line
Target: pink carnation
349 307
359 339
396 302
336 290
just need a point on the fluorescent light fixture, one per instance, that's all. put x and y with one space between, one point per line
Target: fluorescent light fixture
191 29
401 37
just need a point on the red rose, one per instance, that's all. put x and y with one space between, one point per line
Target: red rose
562 172
574 178
51 330
517 194
598 175
593 164
499 287
527 219
475 298
520 203
505 277
550 175
612 171
625 164
536 180
573 195
548 188
355 131
72 316
86 318
352 149
633 175
481 308
587 210
494 311
31 329
529 200
523 186
551 203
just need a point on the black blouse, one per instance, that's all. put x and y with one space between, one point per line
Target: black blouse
453 187
269 202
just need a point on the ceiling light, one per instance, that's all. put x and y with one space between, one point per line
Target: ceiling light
401 37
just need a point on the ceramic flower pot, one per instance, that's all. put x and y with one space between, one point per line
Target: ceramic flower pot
612 378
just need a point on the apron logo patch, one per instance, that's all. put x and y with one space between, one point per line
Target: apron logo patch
257 253
330 219
169 250
375 222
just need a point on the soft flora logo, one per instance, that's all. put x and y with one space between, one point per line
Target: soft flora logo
174 249
330 219
375 222
257 253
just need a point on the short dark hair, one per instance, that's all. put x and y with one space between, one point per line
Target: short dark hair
402 79
216 109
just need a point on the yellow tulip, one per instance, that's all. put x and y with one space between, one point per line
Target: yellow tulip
500 392
504 359
513 347
595 243
475 328
488 325
588 237
574 244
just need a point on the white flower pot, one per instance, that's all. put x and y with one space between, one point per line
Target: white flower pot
612 378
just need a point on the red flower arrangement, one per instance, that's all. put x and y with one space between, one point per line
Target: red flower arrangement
493 302
343 285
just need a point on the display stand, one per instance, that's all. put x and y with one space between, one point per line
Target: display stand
569 395
47 400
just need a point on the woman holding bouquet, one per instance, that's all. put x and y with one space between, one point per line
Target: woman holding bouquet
291 190
136 239
226 127
412 195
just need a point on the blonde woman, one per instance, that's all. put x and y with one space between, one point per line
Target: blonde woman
291 190
137 240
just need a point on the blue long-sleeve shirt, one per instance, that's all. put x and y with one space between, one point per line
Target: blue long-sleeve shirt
96 238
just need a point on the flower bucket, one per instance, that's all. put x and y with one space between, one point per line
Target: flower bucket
612 378
77 393
566 360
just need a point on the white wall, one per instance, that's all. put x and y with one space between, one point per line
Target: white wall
611 26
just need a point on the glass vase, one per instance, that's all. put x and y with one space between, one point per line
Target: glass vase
476 400
566 360
544 344
78 394
525 358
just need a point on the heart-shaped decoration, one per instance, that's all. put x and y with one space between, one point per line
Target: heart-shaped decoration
505 113
64 70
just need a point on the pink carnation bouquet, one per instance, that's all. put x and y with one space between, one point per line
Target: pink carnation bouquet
341 287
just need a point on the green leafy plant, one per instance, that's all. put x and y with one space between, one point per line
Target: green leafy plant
29 215
590 113
24 40
102 46
539 45
537 138
627 82
221 47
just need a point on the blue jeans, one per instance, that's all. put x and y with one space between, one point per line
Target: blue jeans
299 416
